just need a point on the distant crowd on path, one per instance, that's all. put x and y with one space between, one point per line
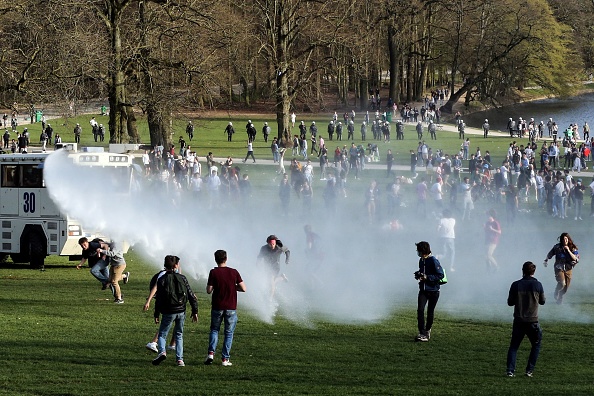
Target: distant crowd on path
530 173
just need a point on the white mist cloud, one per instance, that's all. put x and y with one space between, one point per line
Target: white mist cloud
366 274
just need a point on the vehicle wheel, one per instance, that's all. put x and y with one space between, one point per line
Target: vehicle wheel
19 258
36 251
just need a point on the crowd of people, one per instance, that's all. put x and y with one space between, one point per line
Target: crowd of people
522 176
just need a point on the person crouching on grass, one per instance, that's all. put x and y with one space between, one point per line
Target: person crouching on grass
428 275
173 293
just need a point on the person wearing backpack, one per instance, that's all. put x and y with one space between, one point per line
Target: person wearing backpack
223 283
173 292
152 346
430 275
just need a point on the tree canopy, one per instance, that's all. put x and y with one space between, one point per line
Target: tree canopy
166 57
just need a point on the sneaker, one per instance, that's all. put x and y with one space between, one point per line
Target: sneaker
226 363
421 337
284 277
209 359
575 218
529 374
152 346
160 357
428 334
118 301
127 278
104 286
171 347
510 374
181 363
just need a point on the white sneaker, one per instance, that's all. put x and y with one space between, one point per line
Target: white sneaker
152 346
226 363
171 347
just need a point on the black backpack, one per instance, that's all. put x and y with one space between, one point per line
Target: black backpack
174 290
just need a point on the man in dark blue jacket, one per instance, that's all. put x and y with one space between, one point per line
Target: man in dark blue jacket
429 276
525 295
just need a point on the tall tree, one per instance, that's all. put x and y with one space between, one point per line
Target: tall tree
505 39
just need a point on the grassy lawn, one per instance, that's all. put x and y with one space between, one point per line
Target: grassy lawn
209 136
61 335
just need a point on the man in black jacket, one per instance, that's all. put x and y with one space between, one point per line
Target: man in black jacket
525 295
173 293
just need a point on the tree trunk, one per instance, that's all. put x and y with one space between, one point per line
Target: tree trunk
394 91
122 123
363 89
454 97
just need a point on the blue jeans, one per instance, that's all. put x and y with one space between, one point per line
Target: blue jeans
216 316
178 330
449 250
534 333
100 271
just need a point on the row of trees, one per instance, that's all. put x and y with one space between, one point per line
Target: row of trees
168 56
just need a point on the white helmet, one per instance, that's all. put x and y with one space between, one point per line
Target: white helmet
430 121
363 122
419 122
313 123
331 121
265 124
230 123
249 121
486 120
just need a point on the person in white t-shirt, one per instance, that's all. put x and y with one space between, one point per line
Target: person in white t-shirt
308 172
446 230
146 161
437 193
591 185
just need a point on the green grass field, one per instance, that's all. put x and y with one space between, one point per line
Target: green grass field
61 335
209 136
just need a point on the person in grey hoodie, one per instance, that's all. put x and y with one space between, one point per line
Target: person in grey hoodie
116 270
